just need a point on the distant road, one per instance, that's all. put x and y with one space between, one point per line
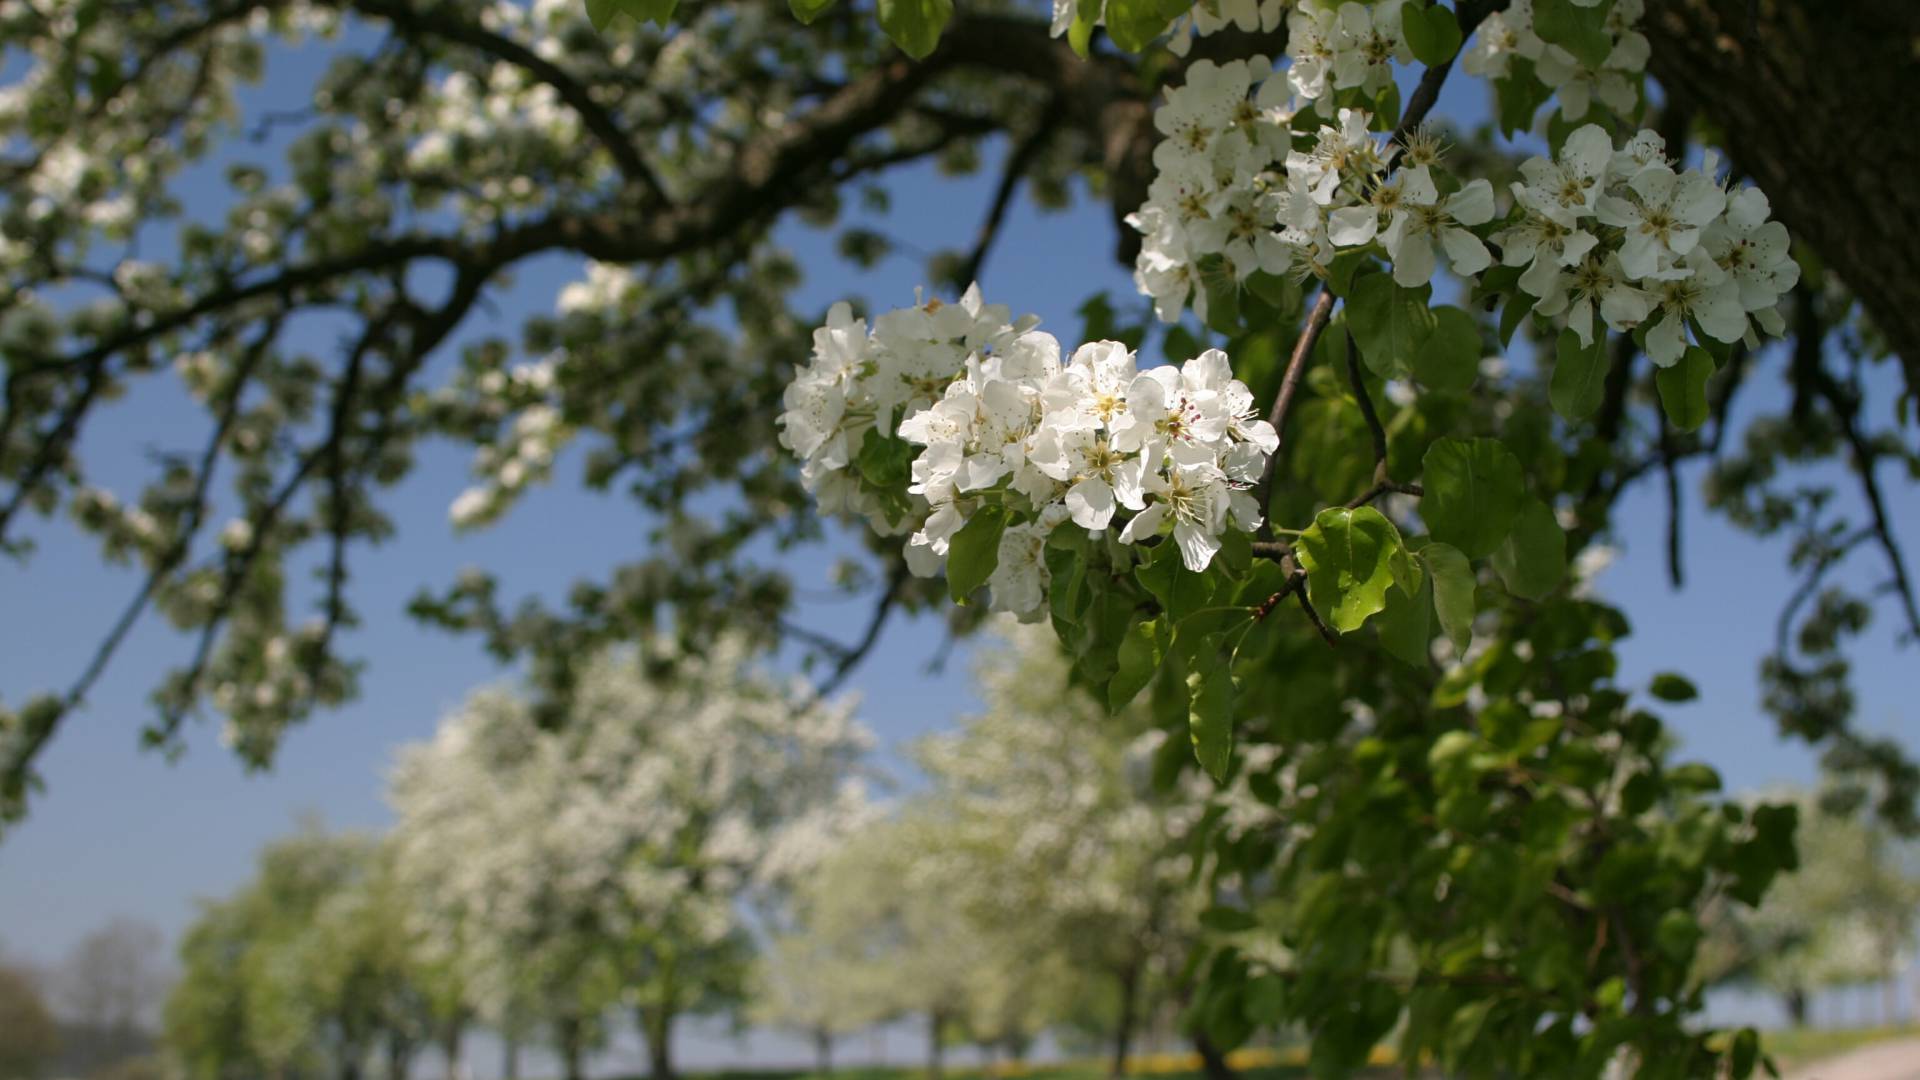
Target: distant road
1898 1059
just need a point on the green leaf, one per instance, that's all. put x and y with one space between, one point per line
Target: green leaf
1581 31
1474 490
1140 654
1133 24
601 12
1086 13
1207 628
1450 357
1676 934
1432 33
1389 323
1743 1053
1228 920
1222 288
1520 95
808 10
1579 376
974 552
1534 557
659 12
1180 345
1348 556
1066 572
1406 626
1668 686
1210 717
1452 577
915 25
1683 388
884 462
1180 591
1513 312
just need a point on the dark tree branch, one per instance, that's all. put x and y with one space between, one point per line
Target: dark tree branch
1018 161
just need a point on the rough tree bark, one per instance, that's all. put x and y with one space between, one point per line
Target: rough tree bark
1810 96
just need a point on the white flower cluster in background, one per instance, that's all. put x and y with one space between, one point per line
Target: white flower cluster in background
1228 184
1204 18
1214 190
1623 233
1336 46
1509 33
1166 452
523 455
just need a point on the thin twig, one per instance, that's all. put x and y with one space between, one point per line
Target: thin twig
1283 403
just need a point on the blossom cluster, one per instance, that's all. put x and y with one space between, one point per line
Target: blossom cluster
860 383
1343 46
1627 235
1164 452
1214 190
1507 34
1230 185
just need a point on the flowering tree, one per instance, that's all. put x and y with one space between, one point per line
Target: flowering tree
1049 807
307 968
610 861
1329 543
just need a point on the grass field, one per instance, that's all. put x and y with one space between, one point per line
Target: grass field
1801 1046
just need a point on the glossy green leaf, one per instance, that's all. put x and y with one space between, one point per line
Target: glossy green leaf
1389 323
1348 556
1474 490
1683 388
1533 558
1086 14
1133 24
974 552
1449 359
1452 577
915 25
1579 380
1581 30
600 13
1432 32
1180 591
1406 626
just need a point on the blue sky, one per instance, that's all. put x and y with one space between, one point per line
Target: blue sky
120 832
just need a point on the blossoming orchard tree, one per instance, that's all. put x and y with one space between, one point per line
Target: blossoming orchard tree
1328 542
613 861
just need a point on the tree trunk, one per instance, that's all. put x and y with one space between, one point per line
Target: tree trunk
822 1051
656 1028
452 1035
510 1051
1213 1060
936 1047
1129 1016
1807 94
399 1056
1796 1001
572 1033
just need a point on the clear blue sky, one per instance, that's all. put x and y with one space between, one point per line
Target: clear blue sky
120 832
